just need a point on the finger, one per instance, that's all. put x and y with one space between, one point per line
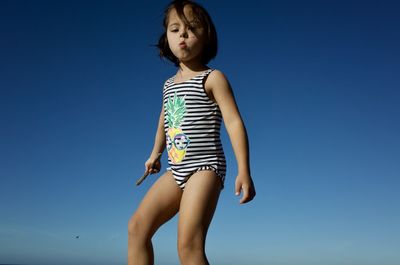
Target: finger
154 169
246 195
157 166
252 194
148 169
147 165
238 186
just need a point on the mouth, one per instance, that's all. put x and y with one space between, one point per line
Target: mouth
182 44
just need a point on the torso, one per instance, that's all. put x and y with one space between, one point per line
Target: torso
207 86
192 123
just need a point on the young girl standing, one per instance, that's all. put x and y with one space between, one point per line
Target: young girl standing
195 101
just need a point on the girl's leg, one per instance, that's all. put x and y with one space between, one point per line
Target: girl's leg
197 207
159 205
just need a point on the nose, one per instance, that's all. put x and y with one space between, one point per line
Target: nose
184 33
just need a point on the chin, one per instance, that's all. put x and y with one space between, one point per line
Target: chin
184 59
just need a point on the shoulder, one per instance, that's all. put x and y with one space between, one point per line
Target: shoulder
216 79
168 81
217 75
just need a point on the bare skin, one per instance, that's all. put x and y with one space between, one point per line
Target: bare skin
186 43
159 205
219 89
196 208
197 203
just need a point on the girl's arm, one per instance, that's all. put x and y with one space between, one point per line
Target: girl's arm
153 164
219 87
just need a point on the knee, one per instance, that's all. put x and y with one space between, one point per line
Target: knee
188 249
136 227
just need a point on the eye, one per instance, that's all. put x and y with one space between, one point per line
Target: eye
169 143
181 141
192 27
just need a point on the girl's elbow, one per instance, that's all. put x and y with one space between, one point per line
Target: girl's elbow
234 124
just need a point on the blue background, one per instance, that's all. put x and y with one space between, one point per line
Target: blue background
317 84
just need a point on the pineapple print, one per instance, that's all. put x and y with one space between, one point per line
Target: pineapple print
177 141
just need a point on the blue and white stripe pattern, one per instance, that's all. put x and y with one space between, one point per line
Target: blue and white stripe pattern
201 124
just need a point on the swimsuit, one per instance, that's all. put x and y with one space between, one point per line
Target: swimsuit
192 123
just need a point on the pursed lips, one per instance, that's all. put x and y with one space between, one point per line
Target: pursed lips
182 44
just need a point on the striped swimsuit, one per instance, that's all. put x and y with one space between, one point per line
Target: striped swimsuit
192 123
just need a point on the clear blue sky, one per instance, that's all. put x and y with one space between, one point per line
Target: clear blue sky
317 83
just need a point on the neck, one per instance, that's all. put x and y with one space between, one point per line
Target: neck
190 67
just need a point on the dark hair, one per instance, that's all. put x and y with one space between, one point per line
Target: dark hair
200 14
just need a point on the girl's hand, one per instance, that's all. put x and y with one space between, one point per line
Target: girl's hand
153 164
245 183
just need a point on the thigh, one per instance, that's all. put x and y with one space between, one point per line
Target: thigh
159 204
198 204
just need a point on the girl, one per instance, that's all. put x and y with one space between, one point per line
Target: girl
195 101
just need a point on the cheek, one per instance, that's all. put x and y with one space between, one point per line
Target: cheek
173 44
168 35
197 45
196 40
170 39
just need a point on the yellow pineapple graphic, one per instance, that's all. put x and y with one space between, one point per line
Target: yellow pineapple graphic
177 141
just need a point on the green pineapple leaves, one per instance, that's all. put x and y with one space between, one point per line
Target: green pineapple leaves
176 110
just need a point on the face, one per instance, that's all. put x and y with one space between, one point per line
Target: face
185 41
177 143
